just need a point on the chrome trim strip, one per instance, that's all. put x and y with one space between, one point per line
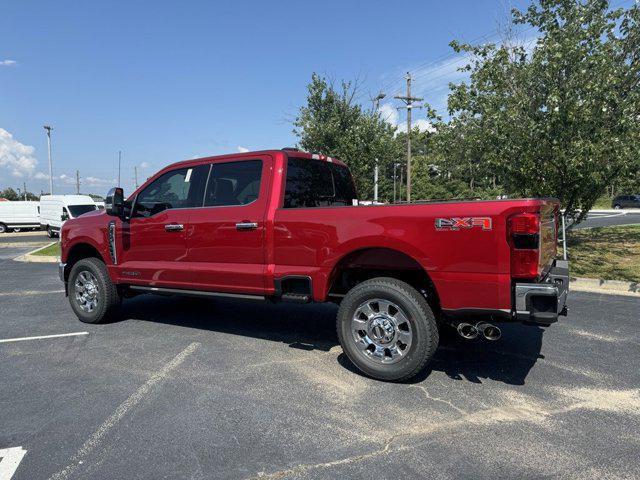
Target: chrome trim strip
61 267
197 293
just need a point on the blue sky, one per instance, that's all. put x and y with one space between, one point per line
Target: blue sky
166 81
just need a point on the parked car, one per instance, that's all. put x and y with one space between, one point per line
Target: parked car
286 226
18 216
626 201
56 209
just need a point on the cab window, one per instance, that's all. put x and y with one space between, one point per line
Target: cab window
181 188
313 183
233 183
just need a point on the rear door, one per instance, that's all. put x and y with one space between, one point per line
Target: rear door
154 246
226 237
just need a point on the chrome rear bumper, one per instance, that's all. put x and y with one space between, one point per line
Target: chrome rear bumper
542 302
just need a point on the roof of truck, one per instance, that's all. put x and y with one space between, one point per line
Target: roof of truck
291 152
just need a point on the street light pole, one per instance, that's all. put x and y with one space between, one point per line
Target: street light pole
48 130
119 162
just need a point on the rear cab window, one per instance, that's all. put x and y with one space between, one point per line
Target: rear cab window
316 183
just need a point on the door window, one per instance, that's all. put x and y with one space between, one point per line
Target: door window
181 188
233 183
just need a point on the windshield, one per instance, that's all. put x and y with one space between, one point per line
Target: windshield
77 210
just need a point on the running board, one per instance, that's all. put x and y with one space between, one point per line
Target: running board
195 293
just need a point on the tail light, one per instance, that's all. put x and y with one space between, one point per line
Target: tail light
523 230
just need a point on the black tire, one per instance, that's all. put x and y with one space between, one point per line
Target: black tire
3 228
422 323
108 299
617 207
50 233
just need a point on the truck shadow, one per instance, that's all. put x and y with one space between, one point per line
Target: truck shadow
312 327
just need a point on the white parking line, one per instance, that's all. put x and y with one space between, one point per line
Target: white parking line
10 458
41 337
136 397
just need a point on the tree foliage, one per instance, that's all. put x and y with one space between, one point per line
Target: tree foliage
559 120
334 124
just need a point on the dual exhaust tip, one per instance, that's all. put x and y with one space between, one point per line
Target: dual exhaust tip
469 331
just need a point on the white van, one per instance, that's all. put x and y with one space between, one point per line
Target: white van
18 216
55 209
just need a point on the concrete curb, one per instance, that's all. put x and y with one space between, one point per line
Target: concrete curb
21 244
611 287
30 258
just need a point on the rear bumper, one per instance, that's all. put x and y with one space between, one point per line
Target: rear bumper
541 303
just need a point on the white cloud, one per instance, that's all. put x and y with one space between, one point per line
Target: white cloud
421 124
144 165
15 156
7 63
243 149
98 182
389 114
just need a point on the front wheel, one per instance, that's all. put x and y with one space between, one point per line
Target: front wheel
387 330
3 228
617 207
93 297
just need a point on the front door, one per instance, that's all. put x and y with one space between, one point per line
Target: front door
154 245
226 237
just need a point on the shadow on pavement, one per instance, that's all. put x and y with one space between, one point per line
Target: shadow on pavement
312 327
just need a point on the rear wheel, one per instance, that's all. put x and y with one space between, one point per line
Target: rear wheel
387 329
93 297
3 228
50 232
617 207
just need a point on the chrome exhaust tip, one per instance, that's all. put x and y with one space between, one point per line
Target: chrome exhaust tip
490 332
467 331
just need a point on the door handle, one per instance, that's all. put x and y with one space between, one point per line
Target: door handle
246 225
174 227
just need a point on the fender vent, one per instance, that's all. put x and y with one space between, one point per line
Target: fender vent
112 242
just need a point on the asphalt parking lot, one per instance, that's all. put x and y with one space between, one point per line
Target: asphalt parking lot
183 388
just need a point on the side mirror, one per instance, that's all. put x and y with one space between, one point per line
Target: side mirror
64 217
114 203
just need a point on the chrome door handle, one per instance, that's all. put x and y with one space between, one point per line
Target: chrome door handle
246 225
173 227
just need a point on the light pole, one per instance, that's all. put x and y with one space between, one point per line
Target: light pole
395 177
48 130
376 101
119 162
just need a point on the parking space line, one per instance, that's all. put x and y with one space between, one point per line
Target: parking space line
30 292
42 337
96 438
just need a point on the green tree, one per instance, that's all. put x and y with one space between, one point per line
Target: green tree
9 194
334 124
558 120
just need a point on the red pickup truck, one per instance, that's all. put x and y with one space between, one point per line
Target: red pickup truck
285 225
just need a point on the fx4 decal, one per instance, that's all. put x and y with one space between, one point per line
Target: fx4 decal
457 223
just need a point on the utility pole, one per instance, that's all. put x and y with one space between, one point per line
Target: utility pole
408 100
78 182
48 130
24 184
135 176
119 163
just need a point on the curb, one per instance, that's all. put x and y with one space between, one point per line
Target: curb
30 258
610 287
